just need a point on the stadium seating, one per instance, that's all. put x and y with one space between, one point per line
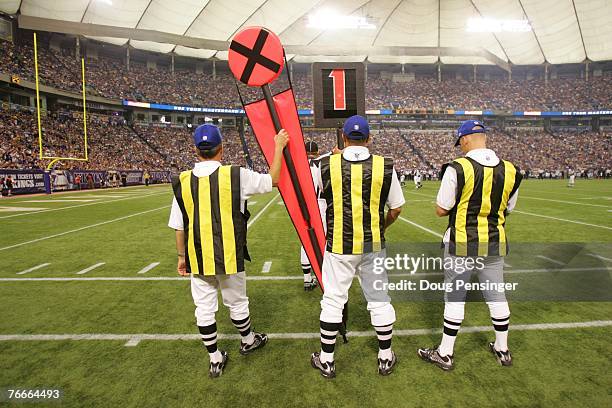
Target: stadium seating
109 77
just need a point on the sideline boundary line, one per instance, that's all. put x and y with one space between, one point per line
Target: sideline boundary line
133 339
274 277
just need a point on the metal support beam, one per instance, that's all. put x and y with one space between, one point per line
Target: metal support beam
76 28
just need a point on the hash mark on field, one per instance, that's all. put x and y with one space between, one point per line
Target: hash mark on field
603 258
91 268
252 202
33 268
507 265
133 339
148 267
266 267
550 260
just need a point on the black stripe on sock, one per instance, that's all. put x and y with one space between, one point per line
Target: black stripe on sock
450 332
501 327
330 326
452 323
502 319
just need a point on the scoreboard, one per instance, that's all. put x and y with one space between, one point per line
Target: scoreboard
338 90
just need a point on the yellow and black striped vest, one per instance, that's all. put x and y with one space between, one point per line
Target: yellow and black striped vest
477 221
215 228
356 193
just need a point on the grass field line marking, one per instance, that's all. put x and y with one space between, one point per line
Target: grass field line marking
91 268
266 267
272 277
550 260
75 200
80 205
81 228
15 209
603 258
562 201
148 267
34 268
256 217
432 232
133 339
563 219
507 265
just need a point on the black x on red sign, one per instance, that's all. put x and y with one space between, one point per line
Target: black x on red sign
256 56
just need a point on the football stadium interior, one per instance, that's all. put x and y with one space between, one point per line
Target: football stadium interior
99 103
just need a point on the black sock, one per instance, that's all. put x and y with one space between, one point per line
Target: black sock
329 332
209 337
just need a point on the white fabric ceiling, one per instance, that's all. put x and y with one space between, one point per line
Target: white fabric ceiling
564 31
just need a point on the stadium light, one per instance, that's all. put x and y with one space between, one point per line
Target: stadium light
491 25
331 20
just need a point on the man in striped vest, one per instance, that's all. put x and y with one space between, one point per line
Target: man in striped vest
356 186
210 217
477 193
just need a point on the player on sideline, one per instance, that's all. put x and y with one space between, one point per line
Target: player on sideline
477 192
356 186
312 150
417 180
209 215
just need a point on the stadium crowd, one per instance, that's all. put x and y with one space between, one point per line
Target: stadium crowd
110 78
115 145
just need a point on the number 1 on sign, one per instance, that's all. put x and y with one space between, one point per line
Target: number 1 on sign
338 77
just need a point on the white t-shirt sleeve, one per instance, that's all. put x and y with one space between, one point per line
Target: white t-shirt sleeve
176 217
395 199
252 183
448 189
512 201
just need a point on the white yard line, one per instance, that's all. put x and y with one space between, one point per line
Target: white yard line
79 205
34 268
256 217
15 209
91 268
148 267
507 265
81 228
550 260
132 340
522 197
432 232
266 267
603 258
563 219
274 278
76 200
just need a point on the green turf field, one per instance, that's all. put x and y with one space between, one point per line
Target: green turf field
123 231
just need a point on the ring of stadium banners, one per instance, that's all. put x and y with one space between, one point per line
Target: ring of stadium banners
309 112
